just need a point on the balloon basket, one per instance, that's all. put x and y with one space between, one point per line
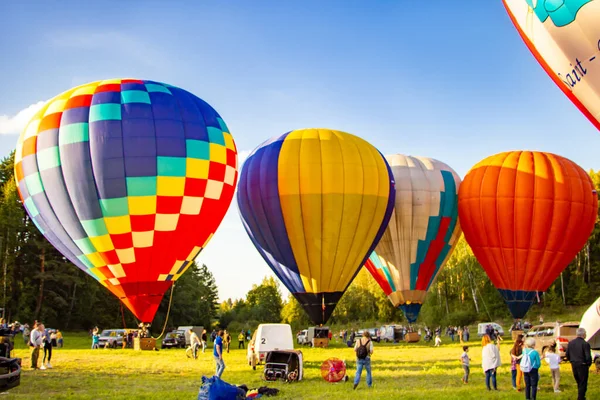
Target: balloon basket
144 343
412 337
321 342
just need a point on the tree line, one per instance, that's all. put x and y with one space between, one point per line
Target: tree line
38 283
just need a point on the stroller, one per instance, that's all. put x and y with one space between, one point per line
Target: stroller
10 368
285 365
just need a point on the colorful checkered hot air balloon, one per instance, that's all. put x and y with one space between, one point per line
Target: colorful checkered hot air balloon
315 203
128 179
422 232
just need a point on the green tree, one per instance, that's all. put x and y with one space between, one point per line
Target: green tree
265 302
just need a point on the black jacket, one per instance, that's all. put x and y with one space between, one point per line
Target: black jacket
579 352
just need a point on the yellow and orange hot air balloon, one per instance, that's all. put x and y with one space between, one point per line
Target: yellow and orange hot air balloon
526 215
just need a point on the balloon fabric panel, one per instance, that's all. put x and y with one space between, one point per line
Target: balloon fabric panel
564 37
526 215
423 229
119 174
313 202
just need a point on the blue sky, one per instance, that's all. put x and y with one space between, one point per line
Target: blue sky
452 81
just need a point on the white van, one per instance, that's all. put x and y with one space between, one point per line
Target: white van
186 329
482 327
268 337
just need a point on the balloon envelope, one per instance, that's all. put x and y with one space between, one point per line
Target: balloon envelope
128 179
526 215
421 234
564 37
314 203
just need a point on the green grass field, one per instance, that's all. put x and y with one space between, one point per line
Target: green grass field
407 371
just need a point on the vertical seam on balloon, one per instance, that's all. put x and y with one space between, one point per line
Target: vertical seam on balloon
504 278
308 266
321 280
343 170
345 265
488 257
68 194
36 203
570 186
547 159
172 234
273 236
532 223
399 217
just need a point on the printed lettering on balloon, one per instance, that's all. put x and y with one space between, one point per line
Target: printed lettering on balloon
578 72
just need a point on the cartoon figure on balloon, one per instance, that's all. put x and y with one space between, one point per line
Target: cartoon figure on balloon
560 12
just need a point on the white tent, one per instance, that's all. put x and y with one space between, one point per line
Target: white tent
591 322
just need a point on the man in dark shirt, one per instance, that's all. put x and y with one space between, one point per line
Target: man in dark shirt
579 353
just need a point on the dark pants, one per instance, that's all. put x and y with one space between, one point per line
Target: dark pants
581 374
531 384
241 345
47 352
490 374
35 353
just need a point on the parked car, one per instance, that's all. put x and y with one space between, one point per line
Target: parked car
269 337
554 332
483 326
174 339
372 332
112 338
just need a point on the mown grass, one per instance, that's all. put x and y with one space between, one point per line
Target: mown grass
407 371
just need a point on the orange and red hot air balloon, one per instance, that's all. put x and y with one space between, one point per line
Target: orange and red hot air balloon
526 215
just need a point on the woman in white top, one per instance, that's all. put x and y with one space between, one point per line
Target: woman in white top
490 356
553 360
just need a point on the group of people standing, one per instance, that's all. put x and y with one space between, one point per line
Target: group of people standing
526 363
39 338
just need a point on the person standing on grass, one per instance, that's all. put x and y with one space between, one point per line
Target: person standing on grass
204 338
194 344
36 342
218 354
59 338
490 361
466 362
227 340
530 365
579 353
47 349
241 338
516 353
364 350
553 360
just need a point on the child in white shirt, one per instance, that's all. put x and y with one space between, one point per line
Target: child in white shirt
553 360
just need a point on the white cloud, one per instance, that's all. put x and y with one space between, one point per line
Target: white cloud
13 125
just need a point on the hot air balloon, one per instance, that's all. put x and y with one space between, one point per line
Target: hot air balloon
315 203
128 179
422 232
564 37
526 215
